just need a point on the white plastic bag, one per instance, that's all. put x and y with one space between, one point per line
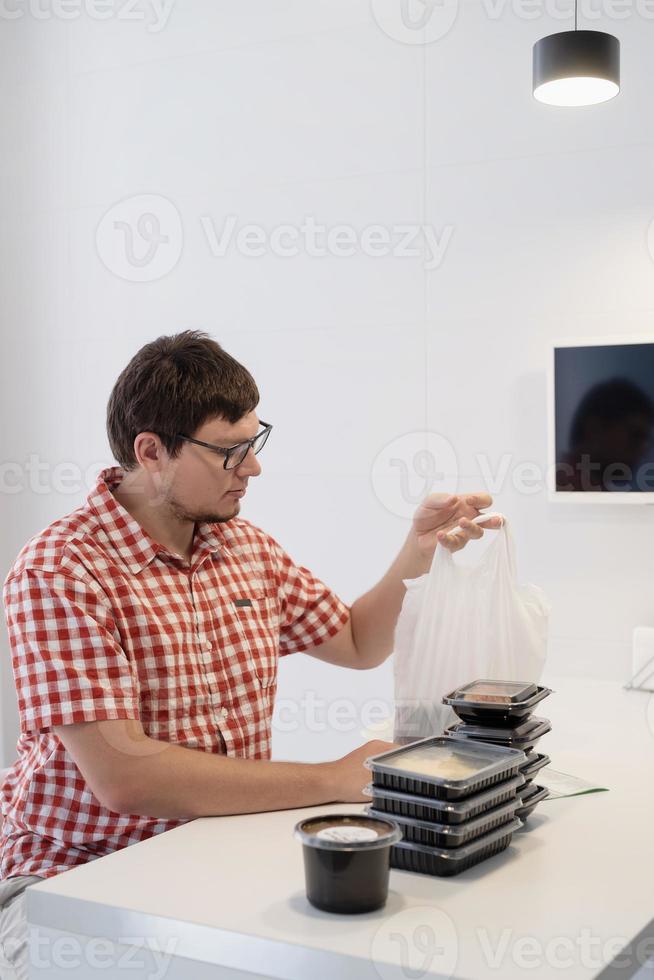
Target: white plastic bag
459 623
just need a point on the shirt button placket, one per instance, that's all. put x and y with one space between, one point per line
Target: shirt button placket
207 656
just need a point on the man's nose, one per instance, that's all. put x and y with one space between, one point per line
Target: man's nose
250 465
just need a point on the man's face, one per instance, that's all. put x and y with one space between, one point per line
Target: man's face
199 488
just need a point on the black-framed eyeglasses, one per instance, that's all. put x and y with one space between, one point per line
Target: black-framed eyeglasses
234 455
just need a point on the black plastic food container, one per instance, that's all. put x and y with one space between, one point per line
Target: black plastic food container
523 736
347 860
445 862
442 768
453 834
395 803
533 765
504 712
531 797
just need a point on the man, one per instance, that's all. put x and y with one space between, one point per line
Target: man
146 627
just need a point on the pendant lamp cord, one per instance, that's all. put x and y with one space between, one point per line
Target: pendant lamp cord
575 14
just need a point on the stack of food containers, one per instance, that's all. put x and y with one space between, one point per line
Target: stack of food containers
500 713
454 800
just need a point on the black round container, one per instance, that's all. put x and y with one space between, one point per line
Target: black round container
347 860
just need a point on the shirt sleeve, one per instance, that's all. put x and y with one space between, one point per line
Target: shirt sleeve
310 612
67 659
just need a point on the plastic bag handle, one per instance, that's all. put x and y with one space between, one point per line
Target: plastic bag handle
480 520
501 543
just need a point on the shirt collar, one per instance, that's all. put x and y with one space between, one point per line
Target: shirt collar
132 543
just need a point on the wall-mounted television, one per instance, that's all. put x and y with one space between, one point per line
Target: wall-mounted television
601 421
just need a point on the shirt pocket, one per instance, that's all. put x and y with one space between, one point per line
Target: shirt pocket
255 613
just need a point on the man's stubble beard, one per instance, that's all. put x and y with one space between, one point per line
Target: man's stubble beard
181 514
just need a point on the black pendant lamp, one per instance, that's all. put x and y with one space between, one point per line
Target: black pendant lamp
575 68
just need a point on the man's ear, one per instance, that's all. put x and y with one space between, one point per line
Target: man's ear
149 450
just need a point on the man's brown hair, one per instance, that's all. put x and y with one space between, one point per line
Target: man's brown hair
174 385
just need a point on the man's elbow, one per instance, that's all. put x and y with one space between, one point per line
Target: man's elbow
122 804
361 661
114 758
119 798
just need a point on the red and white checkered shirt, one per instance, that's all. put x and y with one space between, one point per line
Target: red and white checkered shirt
105 623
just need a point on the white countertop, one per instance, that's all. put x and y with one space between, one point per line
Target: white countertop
574 886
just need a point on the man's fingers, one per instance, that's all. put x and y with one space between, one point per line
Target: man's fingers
456 540
436 509
466 530
438 501
471 530
479 500
492 522
450 541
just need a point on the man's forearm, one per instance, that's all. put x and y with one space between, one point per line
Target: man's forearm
174 782
374 615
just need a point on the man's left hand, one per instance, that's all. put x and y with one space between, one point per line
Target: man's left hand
440 512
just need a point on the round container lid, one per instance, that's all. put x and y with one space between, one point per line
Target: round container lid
347 831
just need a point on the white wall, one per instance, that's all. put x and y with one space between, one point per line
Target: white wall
274 111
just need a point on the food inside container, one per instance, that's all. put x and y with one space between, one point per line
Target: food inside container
495 713
347 860
448 861
443 768
394 803
445 764
495 692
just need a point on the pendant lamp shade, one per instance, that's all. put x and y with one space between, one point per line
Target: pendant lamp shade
575 68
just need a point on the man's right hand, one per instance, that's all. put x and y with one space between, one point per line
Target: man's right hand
348 775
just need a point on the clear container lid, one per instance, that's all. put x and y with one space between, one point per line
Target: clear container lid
455 830
457 854
462 807
532 794
475 729
347 831
491 708
495 692
534 763
446 762
525 730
